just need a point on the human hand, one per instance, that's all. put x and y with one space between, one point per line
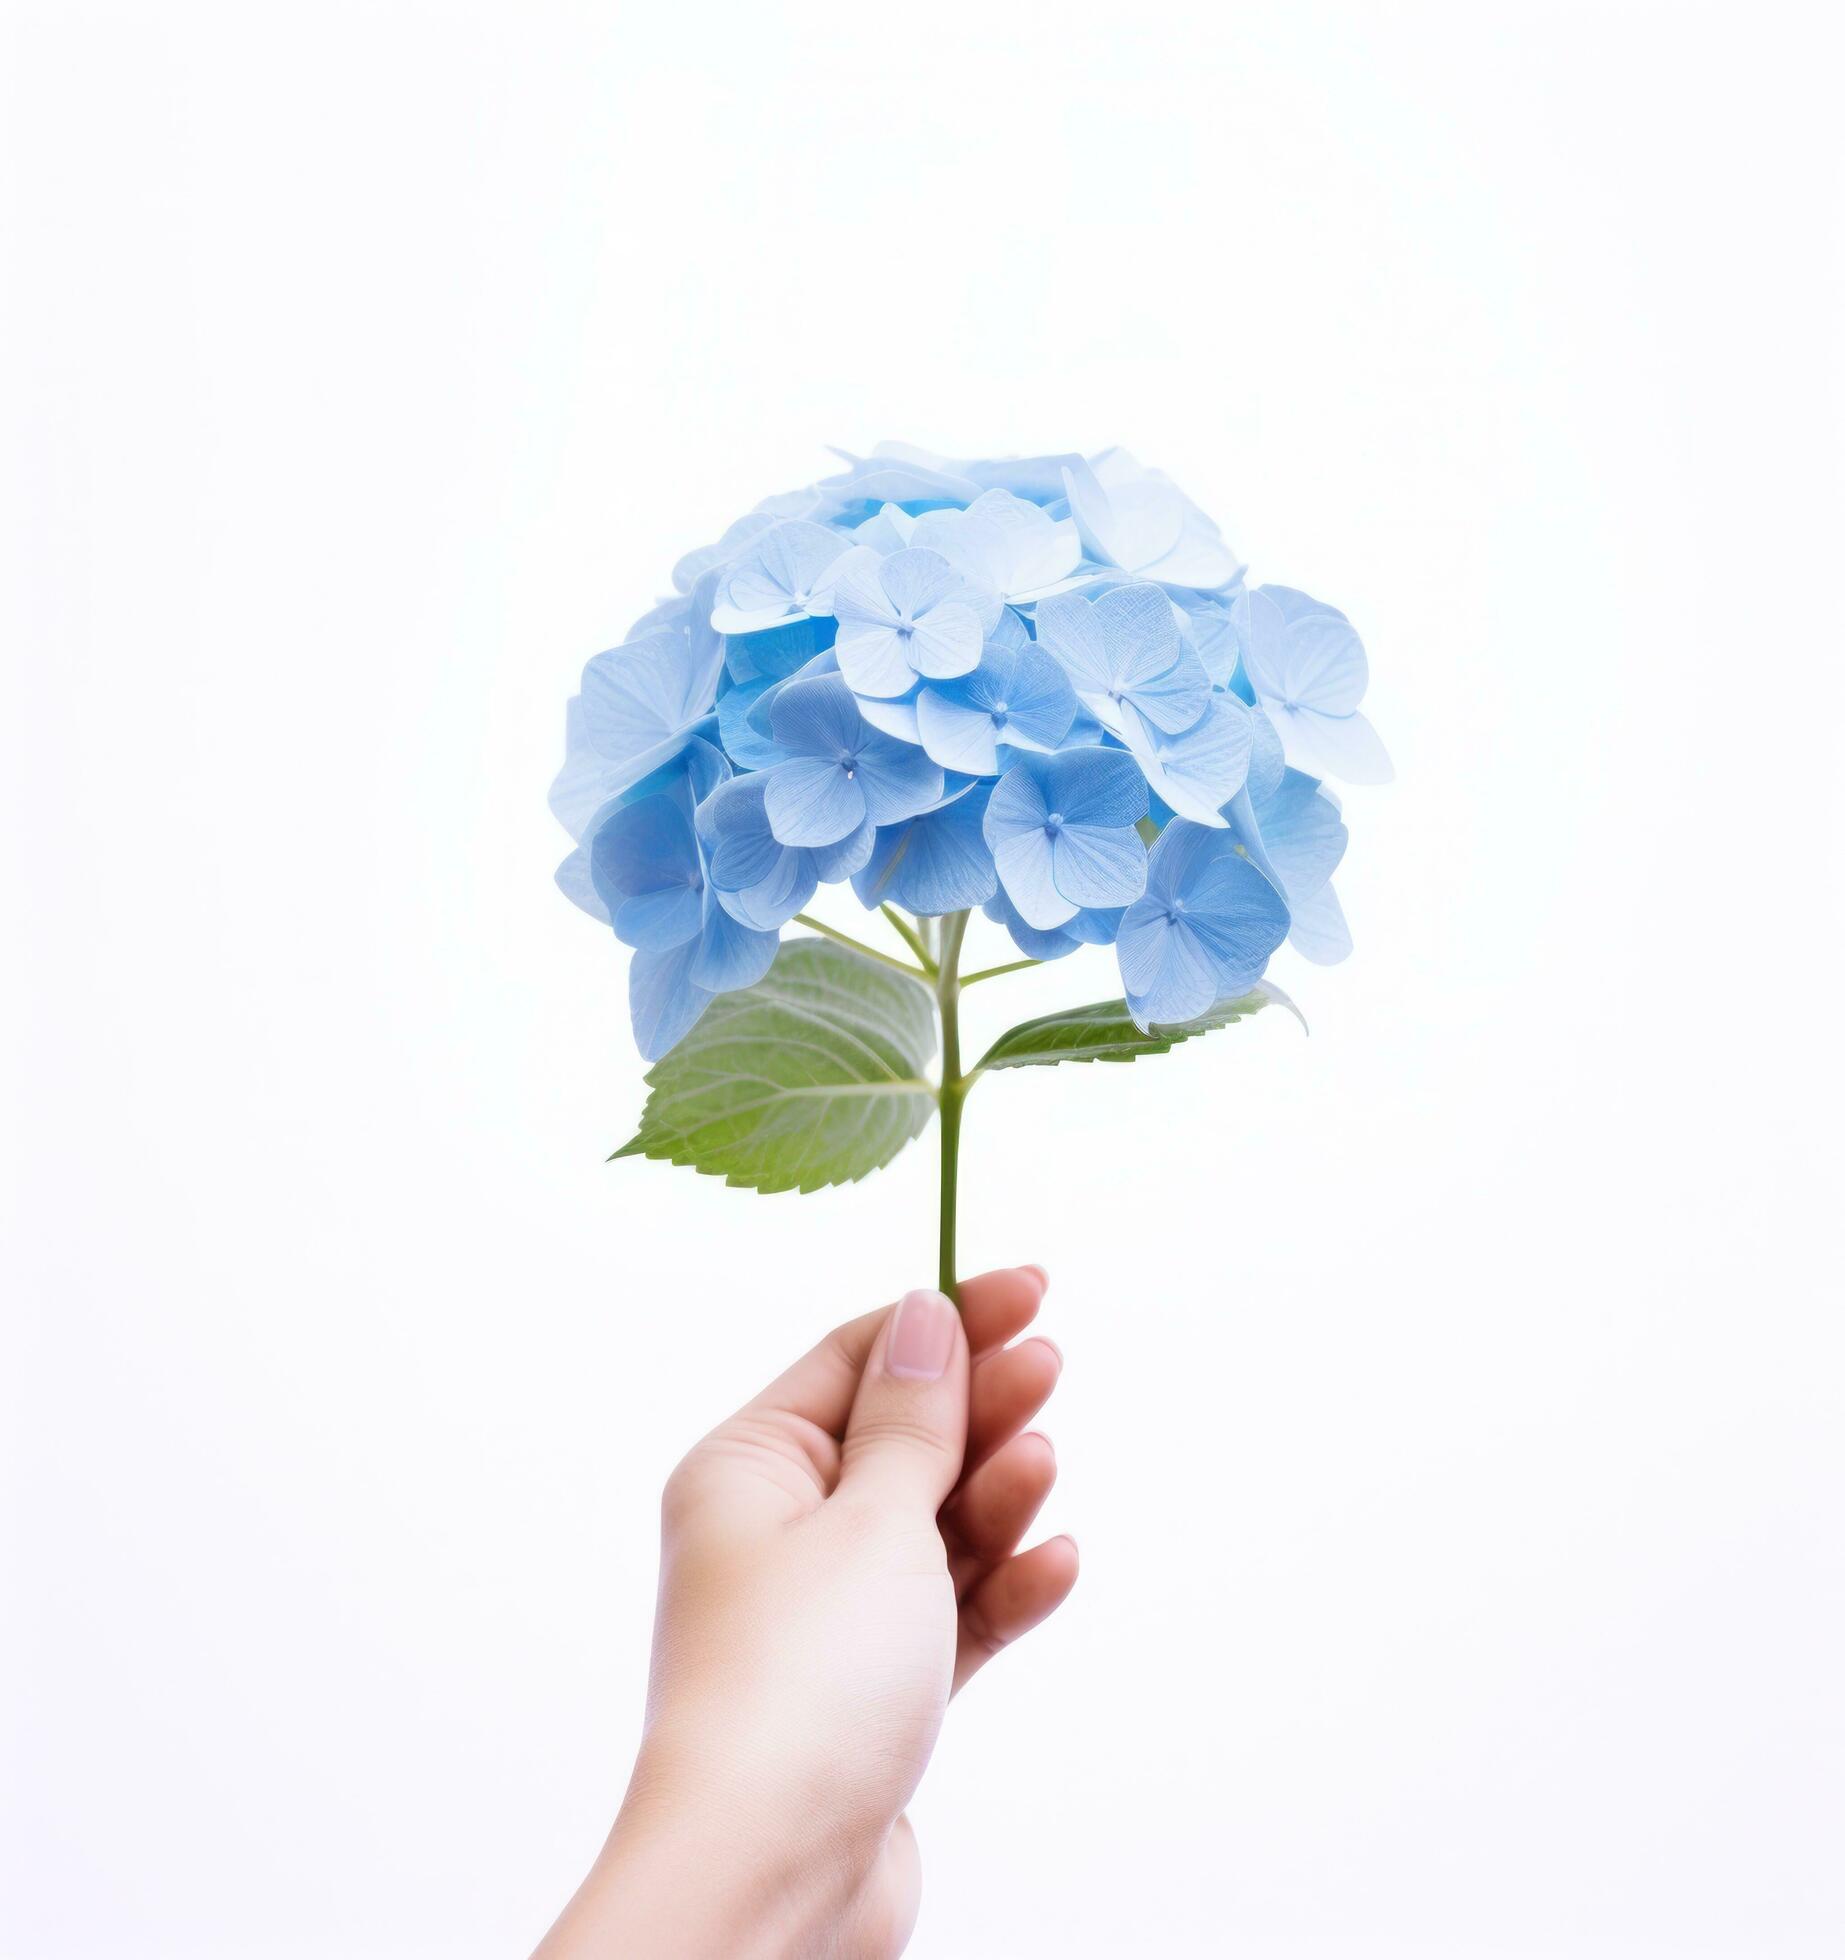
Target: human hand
837 1559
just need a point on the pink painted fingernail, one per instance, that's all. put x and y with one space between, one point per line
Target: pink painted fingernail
922 1336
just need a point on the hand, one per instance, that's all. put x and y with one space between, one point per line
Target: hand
837 1560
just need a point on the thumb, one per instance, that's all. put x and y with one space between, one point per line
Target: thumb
907 1432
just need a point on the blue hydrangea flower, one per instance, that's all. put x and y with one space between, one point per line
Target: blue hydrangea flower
1081 929
1295 835
1061 830
1125 658
781 574
1004 544
934 863
1196 772
959 683
759 881
1202 931
1139 520
841 771
1307 669
640 704
1017 698
647 871
906 618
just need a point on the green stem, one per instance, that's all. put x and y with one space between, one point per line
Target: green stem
953 1092
858 945
993 972
910 936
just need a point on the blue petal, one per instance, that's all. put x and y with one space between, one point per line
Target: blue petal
816 717
1035 945
1319 932
662 1000
1198 771
1302 835
932 864
741 848
813 802
730 954
896 780
1025 865
1019 801
745 744
645 869
575 882
641 696
1102 788
957 733
833 863
782 572
1095 867
1165 973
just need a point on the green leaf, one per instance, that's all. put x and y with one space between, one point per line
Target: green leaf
1106 1032
813 1076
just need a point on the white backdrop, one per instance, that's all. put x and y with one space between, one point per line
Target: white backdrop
1452 1424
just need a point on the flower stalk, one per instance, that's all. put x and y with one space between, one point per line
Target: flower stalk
953 1093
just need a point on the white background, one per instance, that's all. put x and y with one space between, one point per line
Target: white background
1452 1424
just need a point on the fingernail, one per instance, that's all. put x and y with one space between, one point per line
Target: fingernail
922 1336
1044 1278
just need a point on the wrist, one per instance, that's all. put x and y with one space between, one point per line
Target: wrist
706 1858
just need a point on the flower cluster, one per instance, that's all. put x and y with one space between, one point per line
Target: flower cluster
1039 686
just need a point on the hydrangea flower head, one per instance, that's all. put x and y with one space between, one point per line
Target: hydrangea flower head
1036 689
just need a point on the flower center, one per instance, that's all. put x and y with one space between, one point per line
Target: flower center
1054 821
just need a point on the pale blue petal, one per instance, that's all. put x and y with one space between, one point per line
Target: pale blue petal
858 591
1319 932
784 570
874 658
1197 772
1024 866
1069 630
1303 835
639 696
1018 804
946 641
1040 703
932 864
1140 632
1102 788
1164 971
957 735
575 882
662 1000
1326 666
914 581
897 781
777 653
645 867
894 718
813 802
1003 542
730 953
695 564
816 717
743 742
1035 945
773 900
1267 759
1093 867
834 863
741 849
1345 746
